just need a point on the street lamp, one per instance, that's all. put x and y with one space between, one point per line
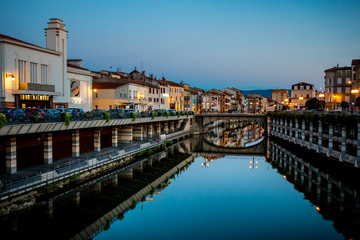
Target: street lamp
300 98
321 96
353 92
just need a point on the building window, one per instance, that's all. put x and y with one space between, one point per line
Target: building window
129 94
301 87
339 81
347 90
295 87
150 99
307 87
96 106
110 107
22 71
157 91
162 100
338 90
33 72
44 74
347 99
295 95
149 90
96 95
329 81
307 96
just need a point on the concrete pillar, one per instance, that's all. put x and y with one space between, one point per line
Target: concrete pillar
50 209
310 179
125 134
114 136
311 130
319 137
149 163
177 125
127 174
11 164
77 198
331 135
150 129
295 168
114 180
75 143
138 133
302 173
97 140
97 187
296 130
290 130
48 155
343 144
329 186
286 128
341 197
303 132
139 167
158 128
172 126
357 162
318 185
281 128
166 128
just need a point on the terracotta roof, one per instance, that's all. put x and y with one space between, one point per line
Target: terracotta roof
74 66
197 89
107 85
355 62
216 92
164 81
143 83
330 69
280 90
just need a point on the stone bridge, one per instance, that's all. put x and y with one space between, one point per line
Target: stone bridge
202 122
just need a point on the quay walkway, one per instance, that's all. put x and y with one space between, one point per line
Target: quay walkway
29 179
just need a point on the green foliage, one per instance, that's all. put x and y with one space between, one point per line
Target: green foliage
2 120
152 191
329 118
299 116
107 116
159 113
178 114
143 114
133 205
36 117
193 113
67 119
172 113
152 115
187 114
88 115
167 114
168 143
133 115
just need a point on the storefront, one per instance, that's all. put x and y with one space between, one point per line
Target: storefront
33 101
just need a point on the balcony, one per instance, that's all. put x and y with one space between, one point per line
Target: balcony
37 87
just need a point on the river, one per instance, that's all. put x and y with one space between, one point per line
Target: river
208 187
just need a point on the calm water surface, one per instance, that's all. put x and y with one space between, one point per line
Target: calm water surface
232 198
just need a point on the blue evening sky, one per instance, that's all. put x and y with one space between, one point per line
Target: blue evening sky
247 44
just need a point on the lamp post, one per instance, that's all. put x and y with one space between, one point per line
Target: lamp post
300 100
321 96
353 92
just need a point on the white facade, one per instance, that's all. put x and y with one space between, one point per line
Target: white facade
34 76
80 88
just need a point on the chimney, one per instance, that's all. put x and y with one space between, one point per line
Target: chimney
56 35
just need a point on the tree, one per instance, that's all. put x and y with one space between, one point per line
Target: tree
344 105
312 104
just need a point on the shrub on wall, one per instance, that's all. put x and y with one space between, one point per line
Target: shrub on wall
88 115
121 114
178 114
187 114
2 120
167 114
67 119
143 114
107 116
133 115
36 117
152 115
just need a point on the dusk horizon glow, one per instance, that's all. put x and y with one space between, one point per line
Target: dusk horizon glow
207 44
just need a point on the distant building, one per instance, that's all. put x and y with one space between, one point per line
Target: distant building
300 93
279 95
355 79
337 87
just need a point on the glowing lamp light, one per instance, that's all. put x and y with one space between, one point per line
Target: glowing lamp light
284 176
301 98
11 76
355 91
95 90
317 209
321 95
286 99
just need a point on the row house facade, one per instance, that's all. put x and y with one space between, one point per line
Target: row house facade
175 94
337 87
256 104
280 95
300 93
212 101
34 76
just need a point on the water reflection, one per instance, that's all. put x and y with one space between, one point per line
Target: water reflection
334 199
236 137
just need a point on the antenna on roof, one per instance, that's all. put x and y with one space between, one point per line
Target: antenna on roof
110 67
141 66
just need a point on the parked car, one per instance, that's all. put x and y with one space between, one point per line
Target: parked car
13 114
52 114
99 113
29 111
77 113
114 113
